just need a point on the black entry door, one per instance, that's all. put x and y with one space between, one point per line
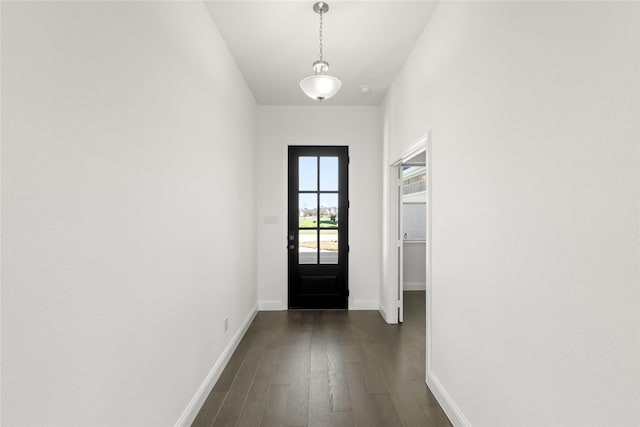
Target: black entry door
318 234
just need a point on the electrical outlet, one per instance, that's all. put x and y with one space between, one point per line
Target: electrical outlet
226 324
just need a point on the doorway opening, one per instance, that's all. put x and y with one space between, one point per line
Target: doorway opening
413 208
411 199
317 224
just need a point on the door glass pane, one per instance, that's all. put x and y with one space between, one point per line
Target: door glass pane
329 173
307 173
308 210
328 246
307 246
329 210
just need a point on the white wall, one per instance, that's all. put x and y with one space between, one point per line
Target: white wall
360 129
414 253
127 210
415 198
534 113
414 256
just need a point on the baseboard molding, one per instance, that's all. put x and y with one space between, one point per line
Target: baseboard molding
364 304
415 286
450 408
189 414
271 305
383 311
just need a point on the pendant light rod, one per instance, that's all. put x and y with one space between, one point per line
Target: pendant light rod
321 8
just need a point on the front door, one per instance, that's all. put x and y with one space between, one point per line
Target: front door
317 227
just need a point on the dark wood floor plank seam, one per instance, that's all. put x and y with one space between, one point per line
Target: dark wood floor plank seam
230 411
410 416
319 404
253 378
210 409
360 399
276 406
258 390
297 410
236 359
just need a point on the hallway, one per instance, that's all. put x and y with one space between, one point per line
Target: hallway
320 368
146 214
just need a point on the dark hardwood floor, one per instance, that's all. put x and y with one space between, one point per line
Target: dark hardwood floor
327 368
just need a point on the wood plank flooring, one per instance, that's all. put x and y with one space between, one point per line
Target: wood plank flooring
327 368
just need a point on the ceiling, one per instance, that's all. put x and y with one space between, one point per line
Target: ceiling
274 44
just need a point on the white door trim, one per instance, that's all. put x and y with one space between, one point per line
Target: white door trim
423 144
285 143
400 244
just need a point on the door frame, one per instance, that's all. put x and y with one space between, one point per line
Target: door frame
399 206
284 212
423 144
321 284
399 241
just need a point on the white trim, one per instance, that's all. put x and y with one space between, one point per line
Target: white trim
422 144
415 286
429 240
271 305
416 148
391 316
383 311
414 242
445 400
364 304
388 293
400 243
192 409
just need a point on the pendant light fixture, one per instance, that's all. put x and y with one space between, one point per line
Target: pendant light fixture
320 86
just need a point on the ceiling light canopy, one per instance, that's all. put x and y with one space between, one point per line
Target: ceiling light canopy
320 85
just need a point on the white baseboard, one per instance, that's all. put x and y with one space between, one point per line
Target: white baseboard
271 305
383 311
415 286
192 409
364 304
450 408
355 305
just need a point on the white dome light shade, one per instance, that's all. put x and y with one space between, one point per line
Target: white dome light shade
320 86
